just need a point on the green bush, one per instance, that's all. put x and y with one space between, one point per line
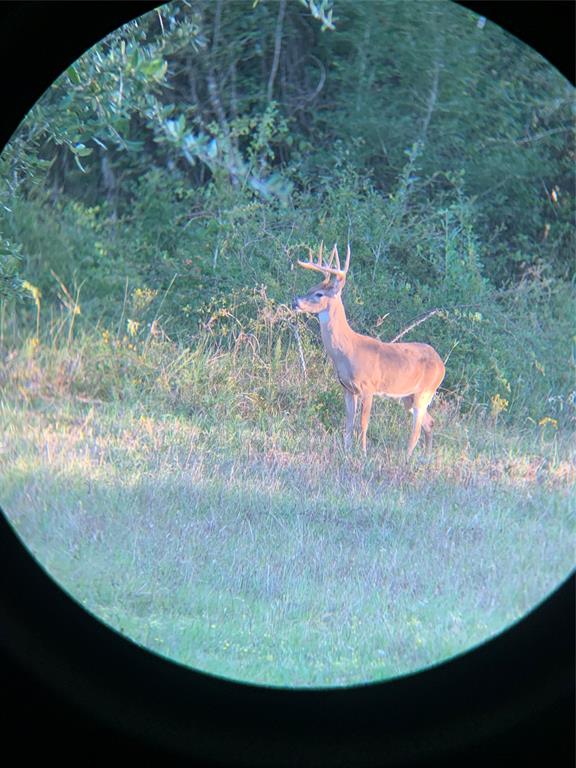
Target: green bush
219 262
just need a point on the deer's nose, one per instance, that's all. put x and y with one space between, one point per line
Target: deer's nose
295 302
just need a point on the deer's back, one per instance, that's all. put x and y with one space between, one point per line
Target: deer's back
395 370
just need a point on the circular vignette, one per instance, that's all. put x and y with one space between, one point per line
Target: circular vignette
55 654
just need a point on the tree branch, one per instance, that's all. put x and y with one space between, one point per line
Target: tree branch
277 47
312 95
414 323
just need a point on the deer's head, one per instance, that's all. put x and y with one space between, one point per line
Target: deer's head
321 295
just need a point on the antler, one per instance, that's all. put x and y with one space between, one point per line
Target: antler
327 269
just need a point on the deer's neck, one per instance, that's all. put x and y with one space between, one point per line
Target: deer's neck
336 333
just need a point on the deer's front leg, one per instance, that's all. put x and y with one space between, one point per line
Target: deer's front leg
350 401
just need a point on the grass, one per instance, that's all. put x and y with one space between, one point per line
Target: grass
199 502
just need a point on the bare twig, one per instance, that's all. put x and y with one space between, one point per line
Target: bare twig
294 330
123 308
432 98
416 322
451 350
284 313
528 139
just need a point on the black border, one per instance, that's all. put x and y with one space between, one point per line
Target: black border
83 692
545 25
73 690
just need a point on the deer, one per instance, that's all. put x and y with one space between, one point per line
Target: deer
365 366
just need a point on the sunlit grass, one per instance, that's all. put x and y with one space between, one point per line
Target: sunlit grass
208 511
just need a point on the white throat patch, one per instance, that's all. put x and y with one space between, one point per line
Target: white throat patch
323 316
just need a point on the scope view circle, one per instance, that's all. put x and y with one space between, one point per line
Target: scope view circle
286 335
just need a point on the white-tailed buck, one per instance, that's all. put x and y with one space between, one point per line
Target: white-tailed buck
365 366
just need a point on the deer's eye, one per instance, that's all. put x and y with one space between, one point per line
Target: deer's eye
318 295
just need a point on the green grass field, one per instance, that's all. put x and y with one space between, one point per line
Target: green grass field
199 502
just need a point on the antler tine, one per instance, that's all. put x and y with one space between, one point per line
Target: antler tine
347 264
311 264
335 253
331 259
327 269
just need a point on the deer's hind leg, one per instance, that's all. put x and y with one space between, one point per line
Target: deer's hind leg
427 424
421 419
